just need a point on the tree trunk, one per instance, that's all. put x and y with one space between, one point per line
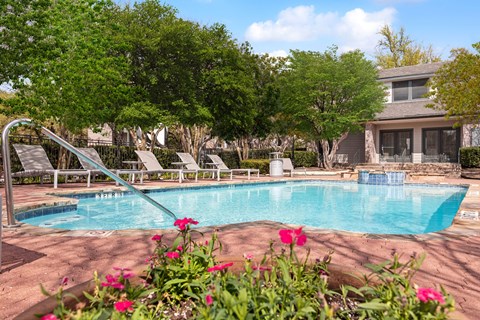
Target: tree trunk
243 148
329 150
193 138
63 155
116 140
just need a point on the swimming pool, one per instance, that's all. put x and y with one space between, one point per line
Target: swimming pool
406 209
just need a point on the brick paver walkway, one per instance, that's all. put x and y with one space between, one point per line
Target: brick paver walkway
31 256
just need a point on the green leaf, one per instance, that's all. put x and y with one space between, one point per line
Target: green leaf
373 306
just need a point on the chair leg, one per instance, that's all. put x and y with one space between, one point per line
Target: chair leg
55 179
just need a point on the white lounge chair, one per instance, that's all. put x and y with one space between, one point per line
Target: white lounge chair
35 163
191 164
93 154
218 162
153 166
288 166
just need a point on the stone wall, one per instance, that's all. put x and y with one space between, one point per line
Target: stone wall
448 170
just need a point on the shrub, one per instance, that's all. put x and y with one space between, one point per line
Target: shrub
470 157
303 158
261 164
184 278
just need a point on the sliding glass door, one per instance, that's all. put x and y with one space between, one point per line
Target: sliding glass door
440 144
396 145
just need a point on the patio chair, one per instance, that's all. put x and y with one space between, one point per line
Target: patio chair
153 166
191 164
288 166
35 163
93 154
218 162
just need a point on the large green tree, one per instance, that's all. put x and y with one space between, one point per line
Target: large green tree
245 108
396 49
62 60
328 95
456 86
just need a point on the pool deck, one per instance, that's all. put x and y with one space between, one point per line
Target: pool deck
31 255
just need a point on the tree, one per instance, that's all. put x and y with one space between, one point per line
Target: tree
398 50
63 62
456 86
330 95
245 107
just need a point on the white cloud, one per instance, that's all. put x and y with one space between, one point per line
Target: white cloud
278 53
293 24
356 29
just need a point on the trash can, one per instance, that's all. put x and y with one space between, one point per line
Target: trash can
276 164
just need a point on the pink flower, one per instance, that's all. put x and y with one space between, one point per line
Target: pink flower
220 267
289 236
124 275
157 237
64 281
429 294
49 316
248 256
208 299
173 255
180 248
122 306
112 282
182 223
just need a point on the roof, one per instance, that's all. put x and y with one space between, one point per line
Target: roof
407 110
419 70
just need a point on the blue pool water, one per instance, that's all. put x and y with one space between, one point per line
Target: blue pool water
405 209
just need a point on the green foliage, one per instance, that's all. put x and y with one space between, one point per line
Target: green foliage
470 157
66 62
184 277
396 49
456 86
230 158
394 296
303 158
261 164
327 95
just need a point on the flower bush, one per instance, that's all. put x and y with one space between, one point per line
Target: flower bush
183 280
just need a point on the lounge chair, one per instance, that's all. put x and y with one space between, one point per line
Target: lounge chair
153 166
93 154
288 166
218 162
35 163
191 164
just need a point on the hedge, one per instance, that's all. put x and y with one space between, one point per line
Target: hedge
262 164
470 157
303 158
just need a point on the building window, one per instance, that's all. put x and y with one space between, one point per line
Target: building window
409 90
440 144
475 142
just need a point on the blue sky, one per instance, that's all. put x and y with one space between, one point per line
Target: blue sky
276 26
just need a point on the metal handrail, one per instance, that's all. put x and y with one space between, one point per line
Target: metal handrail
8 178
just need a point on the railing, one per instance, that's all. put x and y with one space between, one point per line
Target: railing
8 178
